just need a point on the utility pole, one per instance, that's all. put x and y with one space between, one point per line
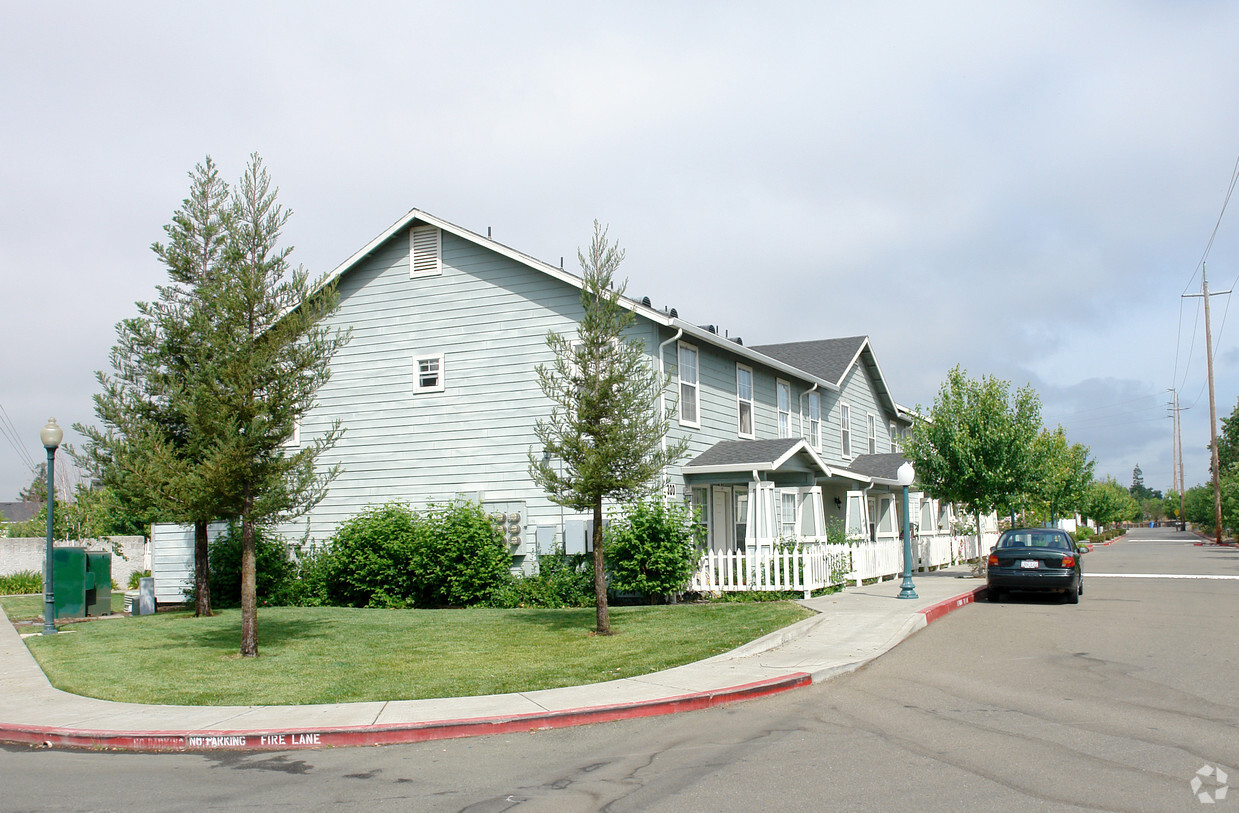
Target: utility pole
1176 461
1217 482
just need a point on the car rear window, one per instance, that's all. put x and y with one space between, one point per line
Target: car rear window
1034 539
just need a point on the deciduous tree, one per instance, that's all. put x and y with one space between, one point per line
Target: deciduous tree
974 447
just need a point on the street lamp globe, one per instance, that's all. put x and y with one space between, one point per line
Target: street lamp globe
51 435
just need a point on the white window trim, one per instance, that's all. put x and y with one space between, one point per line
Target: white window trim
871 432
806 420
780 384
424 237
893 438
680 346
845 431
418 389
751 401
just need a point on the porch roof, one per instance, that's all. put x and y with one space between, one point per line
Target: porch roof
878 468
769 454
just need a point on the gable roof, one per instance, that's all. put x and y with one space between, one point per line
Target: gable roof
832 360
686 329
769 454
20 511
881 468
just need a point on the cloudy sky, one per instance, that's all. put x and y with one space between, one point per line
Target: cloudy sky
1022 188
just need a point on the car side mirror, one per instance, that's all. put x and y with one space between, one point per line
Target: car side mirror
1082 548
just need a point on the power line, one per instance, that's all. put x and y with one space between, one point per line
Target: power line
13 437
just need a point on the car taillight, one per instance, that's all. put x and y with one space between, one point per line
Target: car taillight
993 560
1069 561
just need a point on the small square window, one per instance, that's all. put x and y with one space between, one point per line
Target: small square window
428 374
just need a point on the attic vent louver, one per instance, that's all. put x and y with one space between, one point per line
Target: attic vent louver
711 328
425 247
645 300
675 314
738 340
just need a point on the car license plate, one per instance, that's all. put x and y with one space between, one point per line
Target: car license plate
1028 564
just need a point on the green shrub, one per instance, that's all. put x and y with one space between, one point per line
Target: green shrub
369 560
653 548
561 581
391 556
136 575
22 583
273 569
1083 533
461 559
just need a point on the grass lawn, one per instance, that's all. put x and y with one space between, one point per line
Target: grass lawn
30 608
336 655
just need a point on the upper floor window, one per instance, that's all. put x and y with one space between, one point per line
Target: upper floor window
783 396
690 389
894 438
815 419
744 400
873 434
425 248
428 373
845 429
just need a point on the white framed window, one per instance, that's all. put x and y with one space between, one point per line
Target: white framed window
428 373
814 435
872 426
845 429
690 386
894 438
741 502
783 400
744 400
425 251
787 513
700 505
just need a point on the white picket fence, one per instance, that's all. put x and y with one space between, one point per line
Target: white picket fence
816 563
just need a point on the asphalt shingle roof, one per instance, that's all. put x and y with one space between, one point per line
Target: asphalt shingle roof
881 466
741 453
828 359
19 511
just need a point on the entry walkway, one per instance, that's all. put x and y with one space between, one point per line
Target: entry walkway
850 629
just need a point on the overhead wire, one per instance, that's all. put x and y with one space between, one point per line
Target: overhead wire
13 437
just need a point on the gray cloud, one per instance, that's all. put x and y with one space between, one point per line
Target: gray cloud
1022 188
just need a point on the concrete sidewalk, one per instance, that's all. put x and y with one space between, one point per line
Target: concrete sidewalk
851 628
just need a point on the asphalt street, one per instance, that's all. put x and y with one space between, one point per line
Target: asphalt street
1028 704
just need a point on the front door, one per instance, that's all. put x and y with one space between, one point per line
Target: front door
722 530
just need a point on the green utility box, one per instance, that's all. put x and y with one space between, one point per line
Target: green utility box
82 582
98 571
69 582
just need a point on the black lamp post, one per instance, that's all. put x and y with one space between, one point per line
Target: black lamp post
51 436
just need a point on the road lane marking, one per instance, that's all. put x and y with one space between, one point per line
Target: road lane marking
1093 575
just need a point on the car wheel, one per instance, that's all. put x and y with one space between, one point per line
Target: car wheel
1072 595
1081 586
992 594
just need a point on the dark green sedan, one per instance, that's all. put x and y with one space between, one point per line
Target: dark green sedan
1035 559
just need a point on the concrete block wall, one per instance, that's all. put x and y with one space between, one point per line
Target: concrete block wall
129 555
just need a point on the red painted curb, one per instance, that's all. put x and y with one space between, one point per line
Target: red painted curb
286 738
935 611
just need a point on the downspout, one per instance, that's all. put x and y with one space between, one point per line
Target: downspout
662 397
